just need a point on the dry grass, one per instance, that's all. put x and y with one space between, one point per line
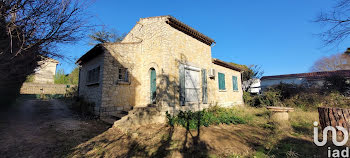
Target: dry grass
259 138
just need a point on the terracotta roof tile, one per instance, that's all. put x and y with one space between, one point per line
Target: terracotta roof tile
345 73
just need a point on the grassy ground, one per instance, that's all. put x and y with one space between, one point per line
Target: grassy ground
258 137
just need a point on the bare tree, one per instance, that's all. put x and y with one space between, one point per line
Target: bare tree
29 32
105 36
334 62
336 23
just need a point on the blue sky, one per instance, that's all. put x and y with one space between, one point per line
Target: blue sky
277 35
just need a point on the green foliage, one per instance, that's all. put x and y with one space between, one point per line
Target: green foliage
336 83
268 98
73 77
291 95
30 78
62 78
250 72
207 117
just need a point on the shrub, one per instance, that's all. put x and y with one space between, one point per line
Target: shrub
83 107
207 117
336 83
268 98
291 95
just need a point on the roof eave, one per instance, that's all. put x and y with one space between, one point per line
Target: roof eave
225 64
89 55
177 24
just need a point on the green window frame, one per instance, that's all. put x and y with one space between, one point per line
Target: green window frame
221 79
235 83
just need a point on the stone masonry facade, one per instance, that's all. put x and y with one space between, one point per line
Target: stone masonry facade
154 44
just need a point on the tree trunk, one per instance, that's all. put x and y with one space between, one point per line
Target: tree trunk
334 117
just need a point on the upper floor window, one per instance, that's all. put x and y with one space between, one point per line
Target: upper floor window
123 75
221 78
93 75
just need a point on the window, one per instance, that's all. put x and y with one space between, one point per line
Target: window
93 75
153 87
123 75
221 78
235 83
189 84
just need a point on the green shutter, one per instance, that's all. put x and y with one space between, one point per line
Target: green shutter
221 79
204 87
234 83
153 85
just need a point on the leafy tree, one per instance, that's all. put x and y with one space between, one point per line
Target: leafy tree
105 36
62 78
74 76
336 83
250 73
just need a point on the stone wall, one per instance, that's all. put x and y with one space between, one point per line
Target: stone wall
91 92
152 43
119 96
41 88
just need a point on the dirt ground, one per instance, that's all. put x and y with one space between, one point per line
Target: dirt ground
47 128
160 140
43 128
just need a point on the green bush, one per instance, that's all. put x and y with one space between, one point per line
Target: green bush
336 83
291 95
29 78
207 117
268 98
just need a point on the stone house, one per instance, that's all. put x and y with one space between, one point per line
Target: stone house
46 71
161 62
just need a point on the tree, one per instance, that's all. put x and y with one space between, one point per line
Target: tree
105 36
249 74
30 30
336 23
74 76
336 83
334 62
62 78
